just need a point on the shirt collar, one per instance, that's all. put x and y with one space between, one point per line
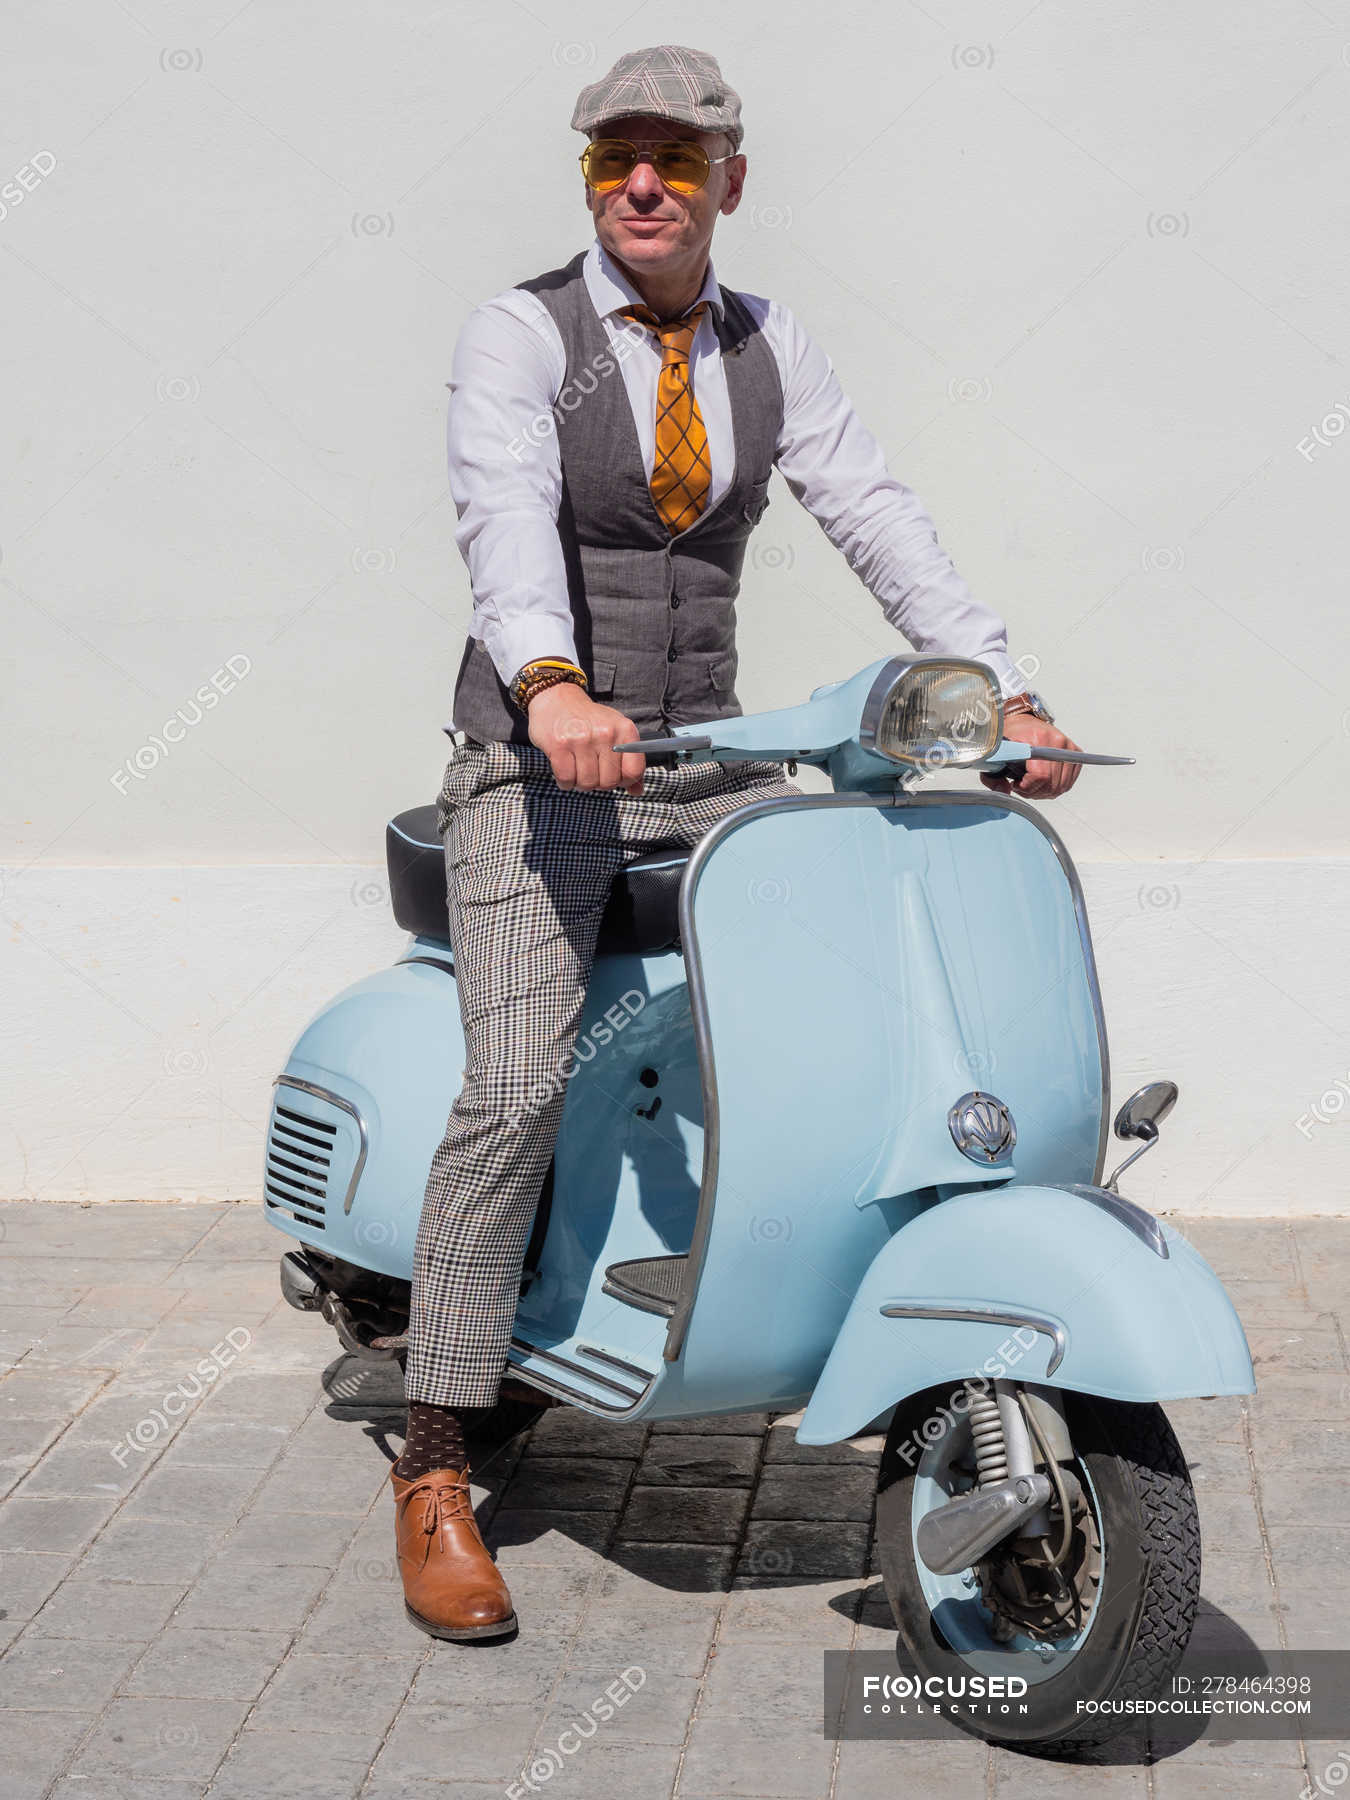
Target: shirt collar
609 288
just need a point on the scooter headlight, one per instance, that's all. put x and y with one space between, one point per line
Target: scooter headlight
933 713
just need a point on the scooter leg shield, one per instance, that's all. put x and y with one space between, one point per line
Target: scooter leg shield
1060 1287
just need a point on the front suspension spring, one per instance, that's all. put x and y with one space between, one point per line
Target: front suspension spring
986 1428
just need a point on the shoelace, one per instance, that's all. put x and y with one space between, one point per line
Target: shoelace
442 1505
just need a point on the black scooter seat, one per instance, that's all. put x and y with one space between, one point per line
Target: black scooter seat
641 917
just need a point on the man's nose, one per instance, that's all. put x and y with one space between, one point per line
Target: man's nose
644 184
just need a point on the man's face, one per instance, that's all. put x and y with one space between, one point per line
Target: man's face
649 226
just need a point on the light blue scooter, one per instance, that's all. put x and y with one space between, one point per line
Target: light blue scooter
834 1137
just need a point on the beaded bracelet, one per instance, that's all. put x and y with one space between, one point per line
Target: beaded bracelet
544 672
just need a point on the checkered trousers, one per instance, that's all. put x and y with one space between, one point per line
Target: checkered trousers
528 872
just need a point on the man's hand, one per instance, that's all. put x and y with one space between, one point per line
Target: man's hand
578 736
1040 780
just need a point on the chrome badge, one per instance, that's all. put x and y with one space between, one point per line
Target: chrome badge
982 1128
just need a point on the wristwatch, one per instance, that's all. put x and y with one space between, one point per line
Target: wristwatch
1029 703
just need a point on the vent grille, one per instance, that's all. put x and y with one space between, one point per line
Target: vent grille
299 1160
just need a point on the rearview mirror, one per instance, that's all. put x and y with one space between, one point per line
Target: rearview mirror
1145 1110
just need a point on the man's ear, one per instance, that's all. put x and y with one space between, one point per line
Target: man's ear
736 172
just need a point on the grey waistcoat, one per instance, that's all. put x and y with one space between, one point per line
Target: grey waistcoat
654 616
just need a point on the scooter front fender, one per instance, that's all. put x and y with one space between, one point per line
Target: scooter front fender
1064 1287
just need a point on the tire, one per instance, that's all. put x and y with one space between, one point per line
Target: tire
1144 1513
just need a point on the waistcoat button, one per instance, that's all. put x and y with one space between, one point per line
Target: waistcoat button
674 599
671 655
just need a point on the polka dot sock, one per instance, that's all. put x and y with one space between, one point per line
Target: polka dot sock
435 1440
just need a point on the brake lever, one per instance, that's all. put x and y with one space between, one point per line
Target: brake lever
1048 753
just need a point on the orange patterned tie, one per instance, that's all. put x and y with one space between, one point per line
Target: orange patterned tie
681 472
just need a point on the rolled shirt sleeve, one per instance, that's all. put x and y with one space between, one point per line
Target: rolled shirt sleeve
835 468
506 482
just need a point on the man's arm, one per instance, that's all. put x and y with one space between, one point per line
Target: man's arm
506 482
835 468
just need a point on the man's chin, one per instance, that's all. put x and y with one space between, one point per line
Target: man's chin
646 246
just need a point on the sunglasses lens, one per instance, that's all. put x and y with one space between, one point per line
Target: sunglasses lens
683 167
608 163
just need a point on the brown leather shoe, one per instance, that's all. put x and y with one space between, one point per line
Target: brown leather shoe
451 1586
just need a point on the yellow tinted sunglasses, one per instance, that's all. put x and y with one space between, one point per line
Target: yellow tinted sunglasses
682 166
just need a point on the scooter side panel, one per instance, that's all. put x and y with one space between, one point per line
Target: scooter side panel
1107 1314
395 1034
862 967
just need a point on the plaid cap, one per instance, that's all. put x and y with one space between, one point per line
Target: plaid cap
667 81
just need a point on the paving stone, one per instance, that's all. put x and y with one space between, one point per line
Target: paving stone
947 1768
178 1740
685 1515
234 1443
296 1484
359 1613
656 1708
815 1491
187 1663
178 1491
1282 1395
1284 1352
1234 1247
604 1770
738 1756
29 1576
554 1484
765 1678
134 1303
668 1576
518 1672
63 1674
150 1550
324 1765
131 1610
42 1393
332 1693
22 1442
1019 1777
316 1540
752 1424
521 1537
660 1644
260 1399
803 1548
83 1471
1193 1780
33 1748
782 1446
234 1595
1322 1444
489 1743
124 1787
52 1524
565 1431
685 1459
816 1612
86 1347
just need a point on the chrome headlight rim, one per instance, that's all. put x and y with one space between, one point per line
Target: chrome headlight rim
888 678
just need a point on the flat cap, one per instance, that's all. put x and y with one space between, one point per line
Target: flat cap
666 81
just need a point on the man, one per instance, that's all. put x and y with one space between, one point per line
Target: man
613 425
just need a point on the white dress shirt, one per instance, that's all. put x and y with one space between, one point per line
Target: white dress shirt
506 475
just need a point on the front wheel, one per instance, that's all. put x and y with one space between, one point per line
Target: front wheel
1110 1620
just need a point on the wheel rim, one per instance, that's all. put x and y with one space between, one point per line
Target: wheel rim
957 1602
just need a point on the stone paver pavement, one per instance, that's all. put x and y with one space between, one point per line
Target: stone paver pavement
198 1594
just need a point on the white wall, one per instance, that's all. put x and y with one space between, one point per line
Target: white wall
1086 275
